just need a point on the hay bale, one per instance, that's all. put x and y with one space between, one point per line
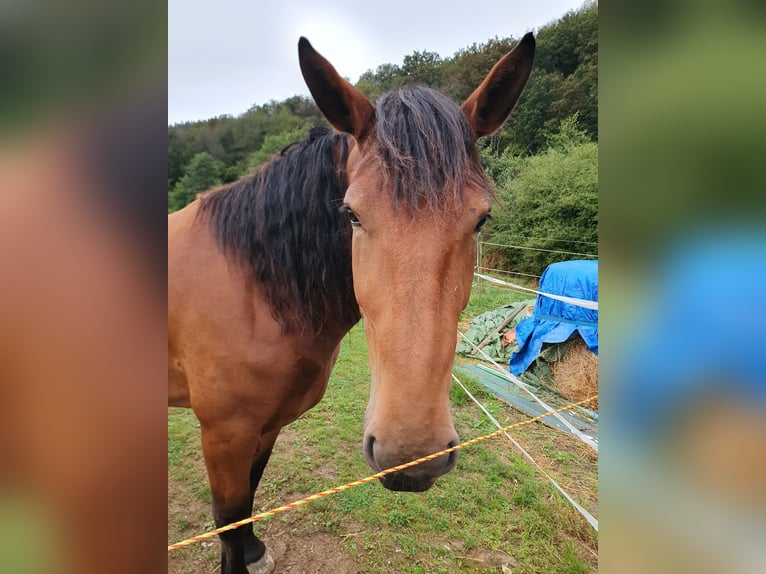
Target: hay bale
576 374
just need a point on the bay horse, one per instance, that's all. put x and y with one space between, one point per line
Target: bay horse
377 220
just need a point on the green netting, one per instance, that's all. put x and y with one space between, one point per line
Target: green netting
486 325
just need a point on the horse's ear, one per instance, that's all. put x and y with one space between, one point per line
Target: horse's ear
488 106
345 107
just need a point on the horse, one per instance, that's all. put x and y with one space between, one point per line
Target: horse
374 220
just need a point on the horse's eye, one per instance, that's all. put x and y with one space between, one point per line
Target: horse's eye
348 212
481 223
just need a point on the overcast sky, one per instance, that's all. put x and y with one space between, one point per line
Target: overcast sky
226 55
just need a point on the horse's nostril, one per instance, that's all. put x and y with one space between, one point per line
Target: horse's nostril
368 442
452 458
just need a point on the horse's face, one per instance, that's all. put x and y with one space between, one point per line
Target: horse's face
412 278
413 267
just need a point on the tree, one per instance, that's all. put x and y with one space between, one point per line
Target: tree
568 49
468 67
177 156
563 82
530 118
423 68
202 173
274 144
385 78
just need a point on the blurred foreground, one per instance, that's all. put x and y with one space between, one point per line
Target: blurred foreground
683 272
82 288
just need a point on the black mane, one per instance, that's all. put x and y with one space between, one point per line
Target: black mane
283 225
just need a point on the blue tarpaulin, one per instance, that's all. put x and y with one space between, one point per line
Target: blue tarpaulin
555 321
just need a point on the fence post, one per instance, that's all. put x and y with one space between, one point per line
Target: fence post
479 285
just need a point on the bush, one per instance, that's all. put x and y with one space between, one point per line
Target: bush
551 202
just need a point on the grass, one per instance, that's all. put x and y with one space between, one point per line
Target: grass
493 510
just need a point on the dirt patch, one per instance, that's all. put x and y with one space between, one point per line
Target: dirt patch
308 554
293 552
483 560
576 374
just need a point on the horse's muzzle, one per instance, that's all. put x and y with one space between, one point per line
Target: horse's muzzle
401 482
418 478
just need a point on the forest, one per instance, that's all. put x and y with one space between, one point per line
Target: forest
543 161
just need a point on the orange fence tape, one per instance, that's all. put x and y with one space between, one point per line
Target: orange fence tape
370 478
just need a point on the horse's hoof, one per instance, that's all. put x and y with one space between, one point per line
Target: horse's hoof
264 566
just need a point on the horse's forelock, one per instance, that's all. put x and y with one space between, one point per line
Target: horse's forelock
426 150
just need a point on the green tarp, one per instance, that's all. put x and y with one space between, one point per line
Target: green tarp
540 374
487 324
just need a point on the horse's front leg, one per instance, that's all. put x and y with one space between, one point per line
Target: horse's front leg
233 450
255 550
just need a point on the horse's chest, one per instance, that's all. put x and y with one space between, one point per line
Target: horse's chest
306 384
309 377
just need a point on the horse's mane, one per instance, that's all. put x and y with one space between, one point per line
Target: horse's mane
283 225
426 149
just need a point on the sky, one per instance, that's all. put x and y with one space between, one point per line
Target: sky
224 56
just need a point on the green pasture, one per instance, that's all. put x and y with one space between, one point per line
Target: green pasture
493 513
